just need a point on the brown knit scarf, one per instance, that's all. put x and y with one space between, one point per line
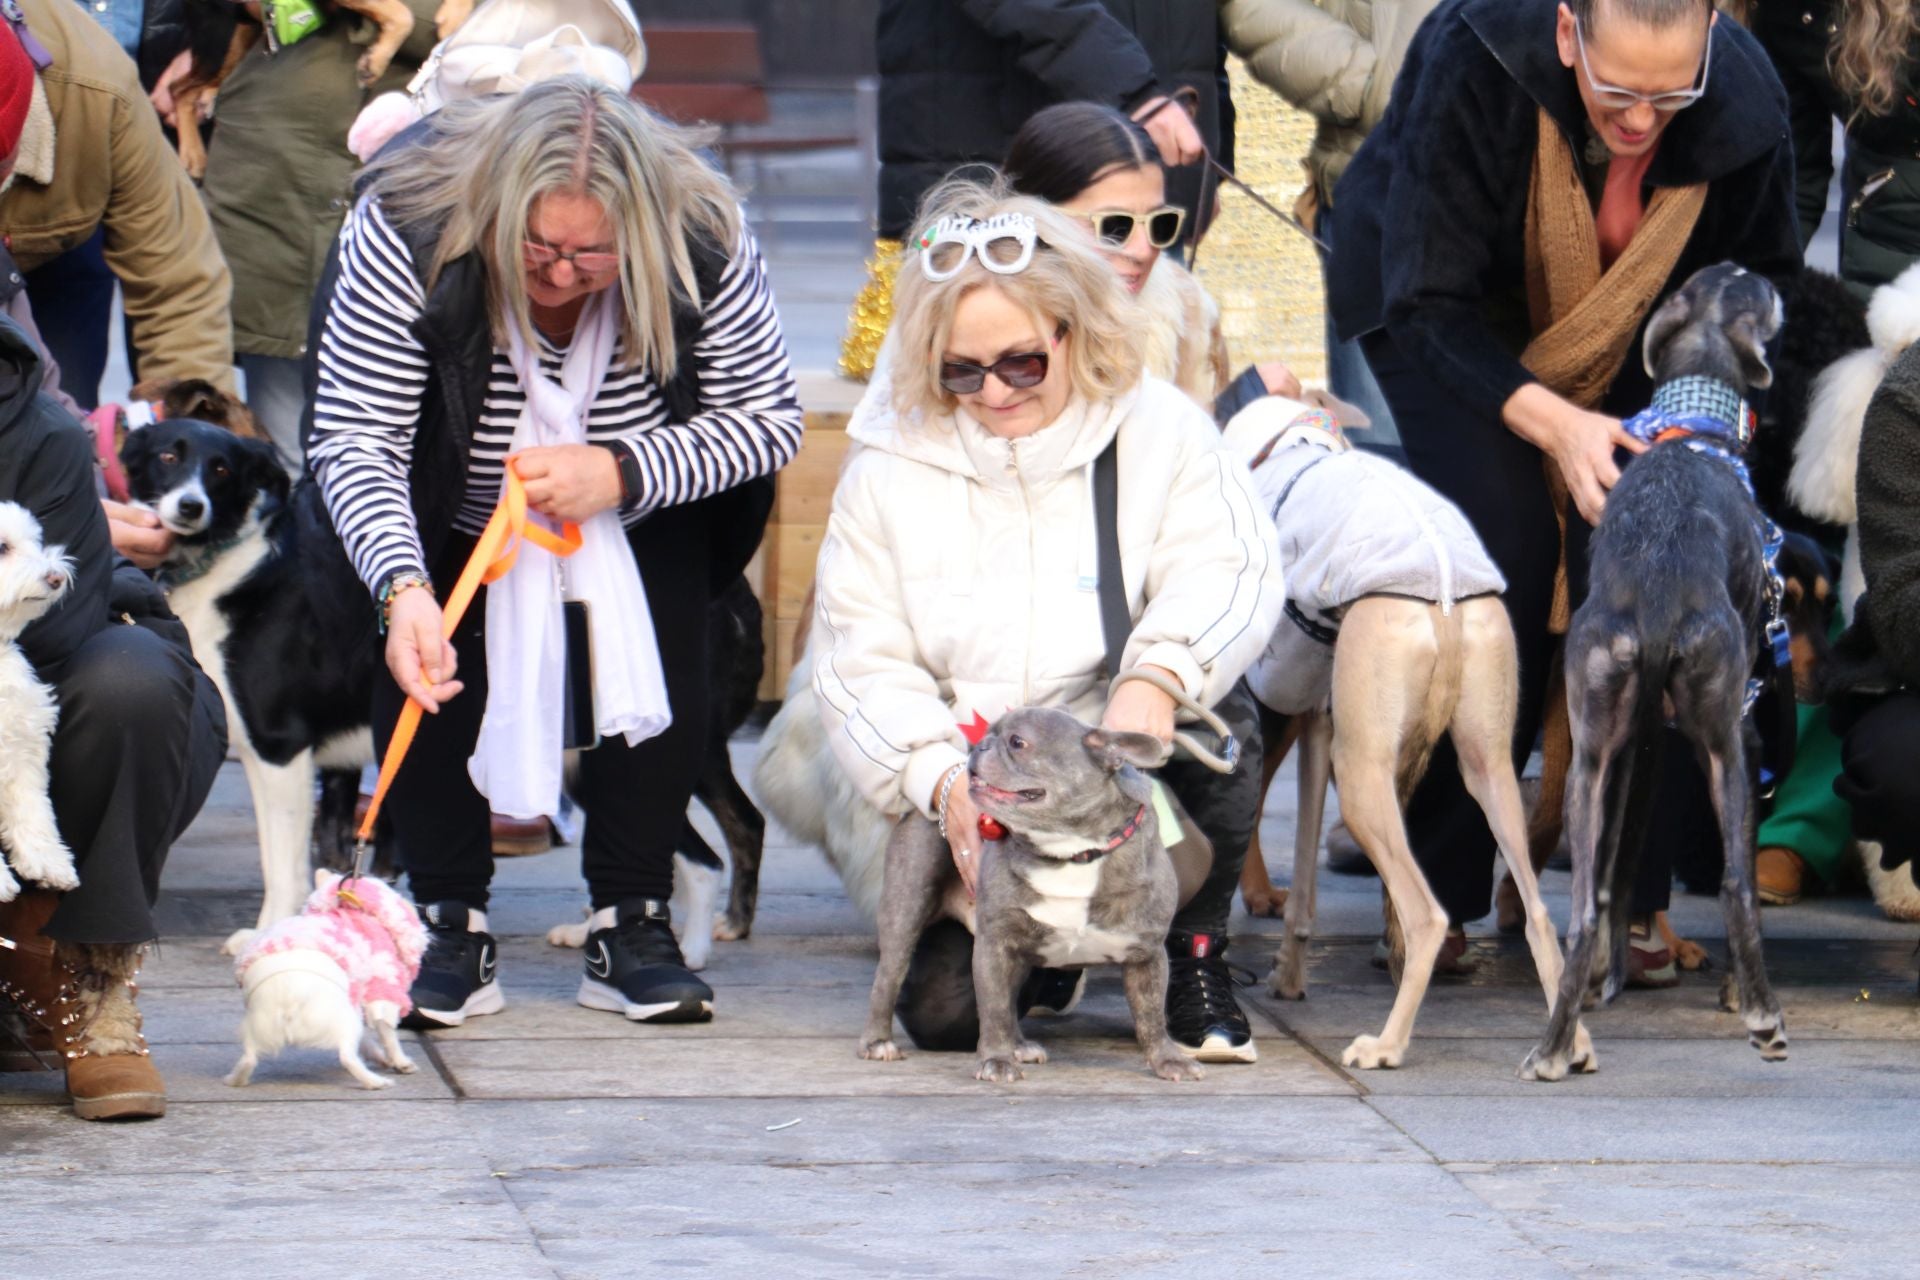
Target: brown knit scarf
1585 319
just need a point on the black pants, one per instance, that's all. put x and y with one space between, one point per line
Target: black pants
1498 481
936 1004
634 797
140 740
1879 779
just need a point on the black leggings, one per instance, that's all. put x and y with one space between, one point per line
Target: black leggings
1498 481
1878 778
634 797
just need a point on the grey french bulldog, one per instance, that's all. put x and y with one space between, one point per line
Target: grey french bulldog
1080 878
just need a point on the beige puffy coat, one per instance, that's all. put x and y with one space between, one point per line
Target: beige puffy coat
1334 59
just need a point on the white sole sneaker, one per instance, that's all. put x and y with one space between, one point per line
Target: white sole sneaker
598 995
484 1000
1221 1049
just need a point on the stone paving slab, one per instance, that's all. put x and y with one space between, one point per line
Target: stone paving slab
309 1257
1571 1127
1861 1069
1173 1131
1122 1221
822 1067
196 1073
1709 1219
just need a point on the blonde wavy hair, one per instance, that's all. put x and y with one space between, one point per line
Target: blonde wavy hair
1868 54
489 160
1067 283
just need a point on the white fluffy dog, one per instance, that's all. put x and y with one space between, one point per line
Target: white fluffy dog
325 978
33 578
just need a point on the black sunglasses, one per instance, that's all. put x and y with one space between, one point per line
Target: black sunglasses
1019 371
1115 226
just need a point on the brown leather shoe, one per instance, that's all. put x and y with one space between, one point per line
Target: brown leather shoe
519 837
1780 875
117 1086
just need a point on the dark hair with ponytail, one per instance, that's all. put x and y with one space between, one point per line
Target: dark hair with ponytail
1064 149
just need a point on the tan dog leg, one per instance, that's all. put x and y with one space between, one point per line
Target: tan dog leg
1483 740
395 23
1289 977
1385 670
1256 887
1547 821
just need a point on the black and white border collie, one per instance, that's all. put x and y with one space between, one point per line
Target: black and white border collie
278 621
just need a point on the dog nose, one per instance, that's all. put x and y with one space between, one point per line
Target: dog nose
192 508
56 579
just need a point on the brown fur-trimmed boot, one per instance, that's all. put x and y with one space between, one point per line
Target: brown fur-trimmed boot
78 1001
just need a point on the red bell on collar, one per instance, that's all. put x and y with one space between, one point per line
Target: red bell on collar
990 828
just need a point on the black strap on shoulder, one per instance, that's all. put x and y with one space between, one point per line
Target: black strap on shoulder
1116 622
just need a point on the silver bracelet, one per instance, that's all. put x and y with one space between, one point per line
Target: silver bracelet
946 789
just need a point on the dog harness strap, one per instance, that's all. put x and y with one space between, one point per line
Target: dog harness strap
493 556
1315 631
1116 621
1119 838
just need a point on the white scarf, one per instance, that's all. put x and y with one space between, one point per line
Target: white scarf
517 761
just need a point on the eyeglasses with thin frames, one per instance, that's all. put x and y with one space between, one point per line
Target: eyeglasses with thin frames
1617 98
539 255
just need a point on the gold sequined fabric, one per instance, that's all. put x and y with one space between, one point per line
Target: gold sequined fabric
872 312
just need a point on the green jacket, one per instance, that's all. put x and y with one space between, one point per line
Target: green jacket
1334 59
1880 181
279 175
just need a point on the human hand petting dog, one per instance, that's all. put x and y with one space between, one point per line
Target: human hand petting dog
570 481
419 656
1580 443
137 534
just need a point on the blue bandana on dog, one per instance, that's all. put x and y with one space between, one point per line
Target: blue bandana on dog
1709 417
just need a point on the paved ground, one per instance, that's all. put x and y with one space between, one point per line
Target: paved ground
550 1141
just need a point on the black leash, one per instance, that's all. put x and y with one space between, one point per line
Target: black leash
1188 99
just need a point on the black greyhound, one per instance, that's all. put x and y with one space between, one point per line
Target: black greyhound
1681 593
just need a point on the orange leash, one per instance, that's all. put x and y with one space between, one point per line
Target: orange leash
493 556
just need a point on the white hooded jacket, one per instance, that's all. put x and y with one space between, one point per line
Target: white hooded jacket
959 576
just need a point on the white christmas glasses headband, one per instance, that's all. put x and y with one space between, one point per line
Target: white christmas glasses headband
1003 244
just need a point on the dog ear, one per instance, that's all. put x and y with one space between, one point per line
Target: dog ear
266 468
1751 347
1114 749
1671 317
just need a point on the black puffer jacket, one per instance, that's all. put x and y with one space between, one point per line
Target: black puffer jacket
959 77
1888 490
163 36
46 465
1880 182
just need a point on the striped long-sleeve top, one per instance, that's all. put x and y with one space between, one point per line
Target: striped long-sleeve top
373 376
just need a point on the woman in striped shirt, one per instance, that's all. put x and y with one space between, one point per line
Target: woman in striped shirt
556 282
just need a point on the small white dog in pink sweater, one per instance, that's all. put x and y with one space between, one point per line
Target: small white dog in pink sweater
325 978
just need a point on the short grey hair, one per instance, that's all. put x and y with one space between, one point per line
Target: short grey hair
1648 13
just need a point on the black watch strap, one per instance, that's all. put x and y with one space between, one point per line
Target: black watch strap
630 480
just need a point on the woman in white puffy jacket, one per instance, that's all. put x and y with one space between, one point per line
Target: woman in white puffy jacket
959 577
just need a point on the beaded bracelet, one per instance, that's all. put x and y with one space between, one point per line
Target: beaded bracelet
392 587
946 789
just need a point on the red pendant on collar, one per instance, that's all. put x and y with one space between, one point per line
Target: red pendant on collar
990 829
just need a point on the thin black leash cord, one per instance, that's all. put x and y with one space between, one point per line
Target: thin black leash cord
1187 98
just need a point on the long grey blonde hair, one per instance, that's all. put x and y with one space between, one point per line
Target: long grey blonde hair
1067 283
489 160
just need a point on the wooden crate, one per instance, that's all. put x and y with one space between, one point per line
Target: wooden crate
803 497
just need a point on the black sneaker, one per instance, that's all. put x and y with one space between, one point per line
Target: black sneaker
1203 1017
1052 992
456 979
634 966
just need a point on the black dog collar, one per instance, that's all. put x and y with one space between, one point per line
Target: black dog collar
1119 838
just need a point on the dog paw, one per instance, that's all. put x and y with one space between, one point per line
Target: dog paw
1176 1066
1692 957
48 865
880 1051
1769 1037
1271 904
369 69
1583 1060
403 1064
728 929
1289 978
1729 995
237 941
1370 1053
237 1078
568 935
9 887
376 1082
999 1071
1029 1051
1544 1066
